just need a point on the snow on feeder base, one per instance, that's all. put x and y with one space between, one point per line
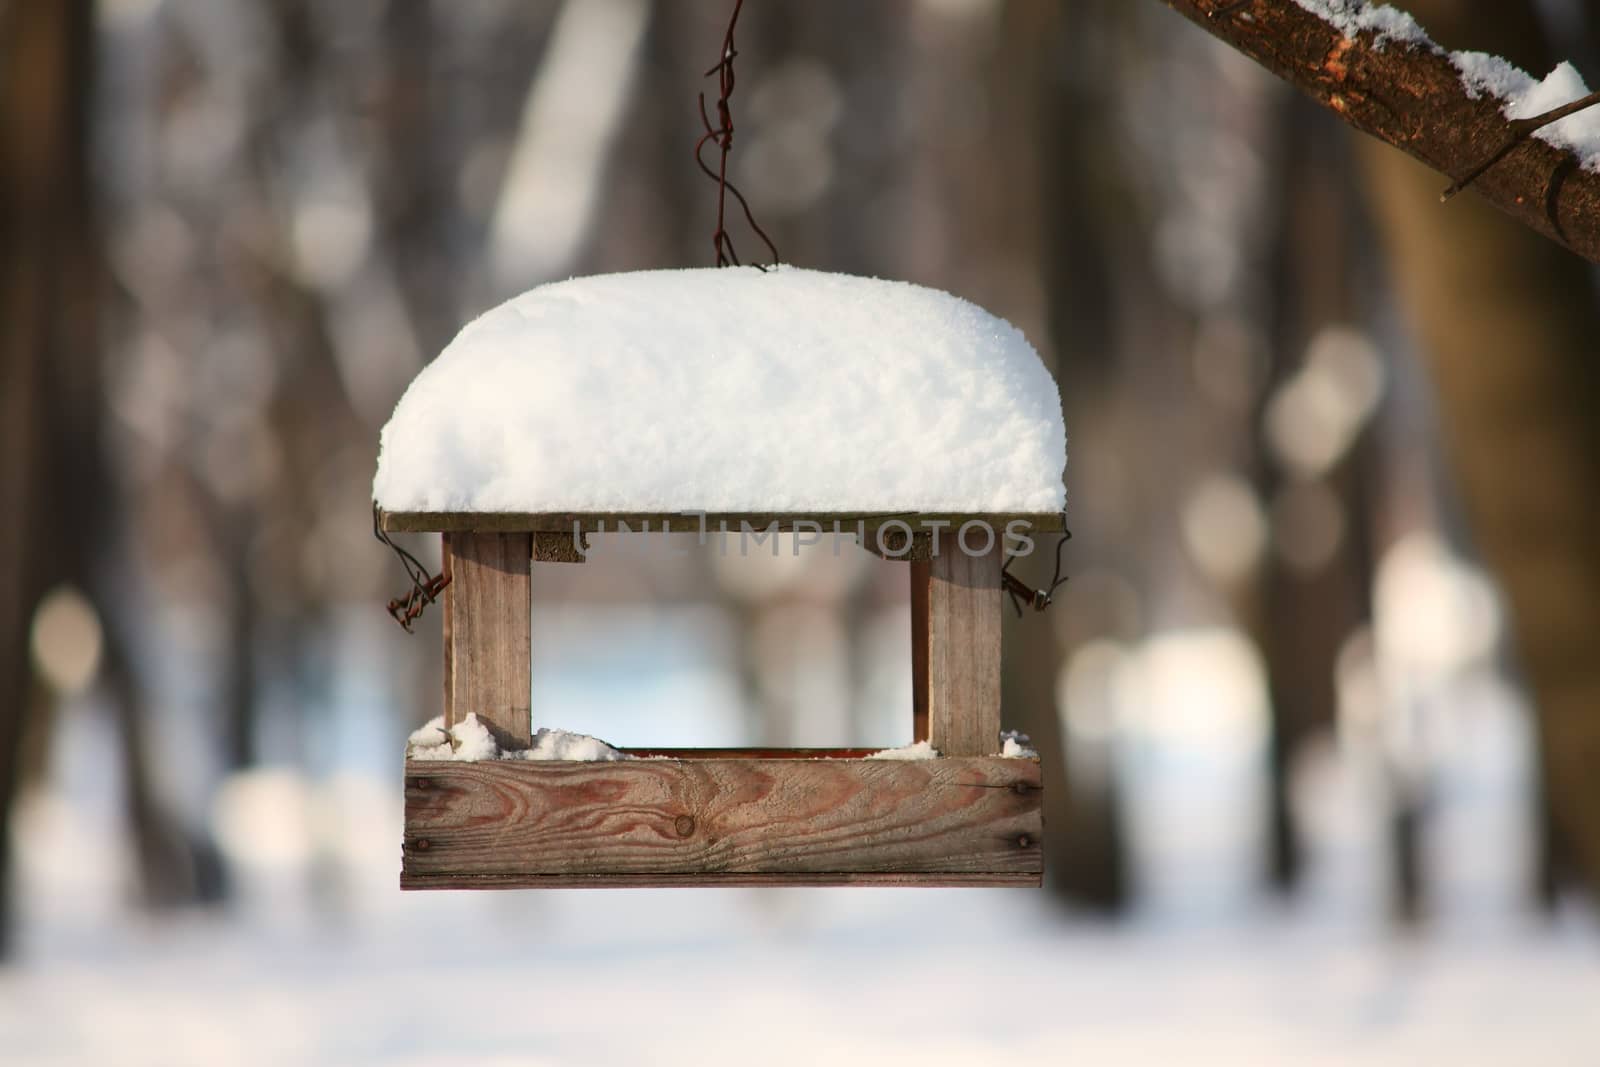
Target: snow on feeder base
556 414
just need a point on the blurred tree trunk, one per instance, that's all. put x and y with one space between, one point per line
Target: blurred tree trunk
1057 92
44 93
54 484
412 187
1300 617
1509 325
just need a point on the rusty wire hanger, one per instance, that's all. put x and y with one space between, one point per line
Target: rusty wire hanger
1037 599
425 587
722 134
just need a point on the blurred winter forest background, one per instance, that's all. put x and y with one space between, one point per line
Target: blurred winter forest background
1319 707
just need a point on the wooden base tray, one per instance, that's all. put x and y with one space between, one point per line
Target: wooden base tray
723 820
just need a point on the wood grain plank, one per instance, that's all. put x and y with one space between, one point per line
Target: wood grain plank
591 521
718 881
719 818
964 651
490 652
751 753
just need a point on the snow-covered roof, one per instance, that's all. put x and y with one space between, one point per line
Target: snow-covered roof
729 390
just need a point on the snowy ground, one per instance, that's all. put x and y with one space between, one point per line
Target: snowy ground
321 960
787 977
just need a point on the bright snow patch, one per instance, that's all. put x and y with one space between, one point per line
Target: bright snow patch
467 740
1353 16
1014 744
562 744
1523 97
729 390
471 740
920 750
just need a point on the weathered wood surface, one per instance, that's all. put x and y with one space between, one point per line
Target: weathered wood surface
448 632
722 821
963 651
693 522
896 545
490 643
921 572
716 881
752 753
1412 97
550 546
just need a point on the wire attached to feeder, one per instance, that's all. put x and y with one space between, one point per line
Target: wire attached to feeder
425 587
722 134
1038 599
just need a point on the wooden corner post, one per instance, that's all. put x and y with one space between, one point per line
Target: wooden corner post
488 636
955 627
921 575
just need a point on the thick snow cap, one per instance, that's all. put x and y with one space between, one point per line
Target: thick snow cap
729 390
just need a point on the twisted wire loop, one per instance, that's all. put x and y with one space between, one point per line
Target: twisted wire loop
722 135
1038 599
425 587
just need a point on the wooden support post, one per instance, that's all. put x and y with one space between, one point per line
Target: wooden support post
489 638
961 627
449 640
920 573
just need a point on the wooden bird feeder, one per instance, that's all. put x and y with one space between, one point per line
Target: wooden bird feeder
719 817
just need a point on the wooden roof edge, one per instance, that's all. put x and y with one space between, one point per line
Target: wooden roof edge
695 521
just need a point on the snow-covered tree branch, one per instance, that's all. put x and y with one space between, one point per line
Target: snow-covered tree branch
1375 67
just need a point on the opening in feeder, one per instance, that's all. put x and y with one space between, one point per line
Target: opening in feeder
747 402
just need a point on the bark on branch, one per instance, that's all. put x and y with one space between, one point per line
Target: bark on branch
1412 96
